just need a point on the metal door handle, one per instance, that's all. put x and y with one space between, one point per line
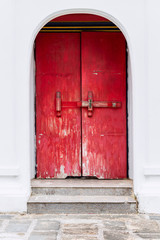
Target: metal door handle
90 104
58 104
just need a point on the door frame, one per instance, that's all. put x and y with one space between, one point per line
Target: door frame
128 100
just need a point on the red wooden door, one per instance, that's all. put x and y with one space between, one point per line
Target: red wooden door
99 68
104 134
58 139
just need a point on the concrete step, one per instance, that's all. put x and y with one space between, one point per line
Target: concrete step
81 204
79 187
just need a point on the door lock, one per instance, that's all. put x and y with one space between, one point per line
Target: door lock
90 104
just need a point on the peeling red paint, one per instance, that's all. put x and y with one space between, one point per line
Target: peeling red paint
103 71
104 134
58 138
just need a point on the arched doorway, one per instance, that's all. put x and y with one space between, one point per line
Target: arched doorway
81 126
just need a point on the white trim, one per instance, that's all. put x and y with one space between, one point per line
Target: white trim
13 202
152 171
149 202
15 171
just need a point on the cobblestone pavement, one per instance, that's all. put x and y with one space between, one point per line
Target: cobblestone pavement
79 227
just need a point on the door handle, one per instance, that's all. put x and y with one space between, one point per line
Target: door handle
58 104
90 104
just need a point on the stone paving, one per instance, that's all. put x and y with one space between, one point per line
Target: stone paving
79 227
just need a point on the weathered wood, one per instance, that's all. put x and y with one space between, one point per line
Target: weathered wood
58 138
102 69
104 152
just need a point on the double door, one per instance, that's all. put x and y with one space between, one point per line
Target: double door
81 105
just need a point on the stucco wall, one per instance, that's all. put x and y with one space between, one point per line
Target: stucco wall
20 22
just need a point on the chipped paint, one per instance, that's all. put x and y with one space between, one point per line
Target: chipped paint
104 134
58 152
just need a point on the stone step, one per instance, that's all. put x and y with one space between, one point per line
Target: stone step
40 204
74 187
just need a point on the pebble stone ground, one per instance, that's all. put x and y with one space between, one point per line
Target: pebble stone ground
79 227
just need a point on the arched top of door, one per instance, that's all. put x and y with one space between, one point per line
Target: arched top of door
80 17
80 22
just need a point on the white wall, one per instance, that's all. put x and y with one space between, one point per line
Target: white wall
149 191
139 21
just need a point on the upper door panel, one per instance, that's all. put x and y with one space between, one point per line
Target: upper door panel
58 138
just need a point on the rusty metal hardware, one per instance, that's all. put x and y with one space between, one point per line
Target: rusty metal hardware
58 104
90 104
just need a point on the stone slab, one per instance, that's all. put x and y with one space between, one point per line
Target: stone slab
80 199
116 235
12 236
80 229
150 236
81 217
143 226
155 217
66 183
115 225
6 216
69 237
18 226
47 225
43 236
81 208
75 191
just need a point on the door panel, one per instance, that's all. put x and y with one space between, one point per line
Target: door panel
103 71
104 134
58 138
